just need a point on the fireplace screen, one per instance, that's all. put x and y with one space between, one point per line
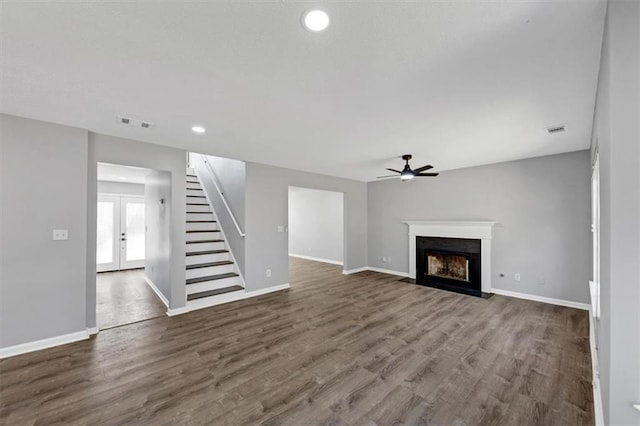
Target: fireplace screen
448 266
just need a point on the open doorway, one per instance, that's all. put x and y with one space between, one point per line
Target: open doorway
122 294
316 230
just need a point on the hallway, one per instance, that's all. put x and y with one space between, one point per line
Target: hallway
123 297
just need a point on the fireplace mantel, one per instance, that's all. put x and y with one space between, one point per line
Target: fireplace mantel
481 230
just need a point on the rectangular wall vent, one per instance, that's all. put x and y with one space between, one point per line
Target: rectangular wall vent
135 122
556 129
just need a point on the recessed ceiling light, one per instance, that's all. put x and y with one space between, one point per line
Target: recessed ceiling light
315 20
122 178
198 129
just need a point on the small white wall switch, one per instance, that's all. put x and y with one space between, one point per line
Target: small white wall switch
268 273
60 234
517 278
280 228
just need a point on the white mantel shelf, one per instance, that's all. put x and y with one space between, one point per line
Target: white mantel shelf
481 230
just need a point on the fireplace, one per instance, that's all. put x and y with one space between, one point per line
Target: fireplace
449 264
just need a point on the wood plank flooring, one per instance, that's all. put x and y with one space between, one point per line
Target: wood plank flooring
123 297
334 349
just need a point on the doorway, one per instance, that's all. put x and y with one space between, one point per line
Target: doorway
316 229
121 233
123 295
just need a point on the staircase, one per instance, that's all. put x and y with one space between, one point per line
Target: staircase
211 275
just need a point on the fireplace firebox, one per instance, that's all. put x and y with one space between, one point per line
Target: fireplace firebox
449 264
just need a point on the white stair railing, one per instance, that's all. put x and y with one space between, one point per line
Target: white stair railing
214 178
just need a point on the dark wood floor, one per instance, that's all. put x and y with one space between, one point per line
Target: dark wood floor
334 349
123 297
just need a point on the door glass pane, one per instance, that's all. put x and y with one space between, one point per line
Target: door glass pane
104 252
135 231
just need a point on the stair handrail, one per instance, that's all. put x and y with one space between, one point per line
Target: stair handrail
214 178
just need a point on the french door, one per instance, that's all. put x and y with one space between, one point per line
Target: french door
121 233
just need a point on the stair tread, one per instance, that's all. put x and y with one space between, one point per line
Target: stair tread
202 230
189 175
201 221
212 278
215 292
210 264
197 204
202 212
196 196
196 253
205 241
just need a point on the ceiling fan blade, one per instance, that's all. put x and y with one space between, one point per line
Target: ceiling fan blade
427 174
386 177
423 168
394 170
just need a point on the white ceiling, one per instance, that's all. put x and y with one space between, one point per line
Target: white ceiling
118 173
455 83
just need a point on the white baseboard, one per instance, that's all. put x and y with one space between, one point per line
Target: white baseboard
595 369
157 291
177 311
317 259
388 271
355 271
559 302
43 344
267 290
375 269
92 330
225 298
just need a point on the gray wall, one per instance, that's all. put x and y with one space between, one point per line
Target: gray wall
316 223
542 206
230 175
44 187
267 192
616 137
109 149
124 188
157 199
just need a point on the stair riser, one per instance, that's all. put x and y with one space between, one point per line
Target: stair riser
194 191
212 285
200 216
204 208
211 270
206 226
205 246
206 258
193 185
195 236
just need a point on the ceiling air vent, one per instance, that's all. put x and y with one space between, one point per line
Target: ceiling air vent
556 129
135 122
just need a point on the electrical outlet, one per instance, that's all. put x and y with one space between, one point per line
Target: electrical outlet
280 228
60 234
517 277
268 273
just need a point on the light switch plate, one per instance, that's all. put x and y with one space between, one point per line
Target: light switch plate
60 234
280 228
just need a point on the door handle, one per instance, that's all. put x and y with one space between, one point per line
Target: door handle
123 239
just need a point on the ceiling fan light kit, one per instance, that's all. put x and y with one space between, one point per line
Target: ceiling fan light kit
407 173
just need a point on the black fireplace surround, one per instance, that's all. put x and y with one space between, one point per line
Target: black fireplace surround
450 264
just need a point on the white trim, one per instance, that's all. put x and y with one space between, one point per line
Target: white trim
481 230
225 298
559 302
595 369
37 345
355 271
387 271
156 290
254 293
317 259
93 330
177 311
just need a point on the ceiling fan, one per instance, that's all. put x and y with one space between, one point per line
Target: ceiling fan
407 173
